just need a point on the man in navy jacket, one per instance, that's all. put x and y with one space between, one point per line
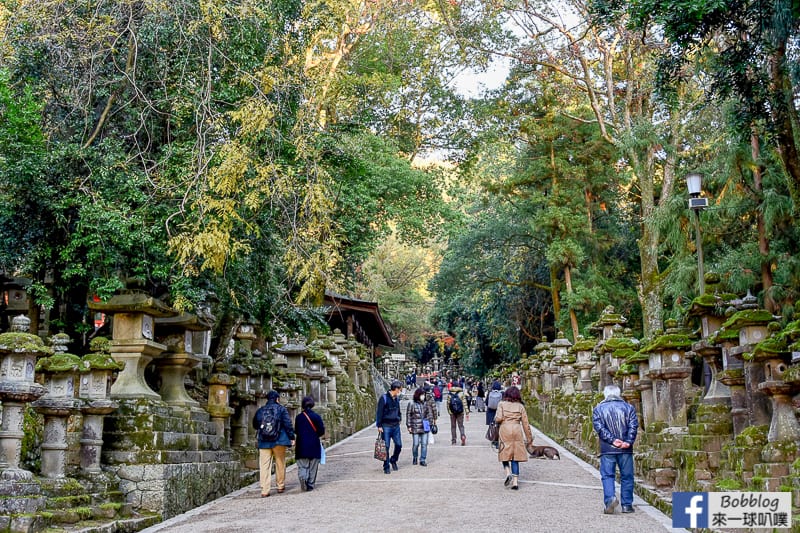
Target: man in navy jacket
616 424
269 450
387 419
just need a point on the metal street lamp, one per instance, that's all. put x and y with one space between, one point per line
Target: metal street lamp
694 182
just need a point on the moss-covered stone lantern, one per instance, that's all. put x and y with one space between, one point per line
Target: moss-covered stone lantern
669 369
60 372
18 353
753 326
564 360
97 369
780 385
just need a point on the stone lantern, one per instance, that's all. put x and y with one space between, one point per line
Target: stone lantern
296 353
133 340
584 362
177 333
780 385
609 323
752 324
60 372
669 370
96 370
560 347
544 356
219 388
19 351
708 308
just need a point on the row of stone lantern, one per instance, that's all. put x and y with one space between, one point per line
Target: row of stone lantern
72 385
753 373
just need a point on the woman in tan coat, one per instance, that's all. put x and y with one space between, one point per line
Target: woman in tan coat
514 424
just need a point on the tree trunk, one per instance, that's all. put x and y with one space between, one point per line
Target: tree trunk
555 287
785 118
763 241
650 284
573 318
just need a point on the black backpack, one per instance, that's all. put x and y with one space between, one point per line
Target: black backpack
270 428
456 405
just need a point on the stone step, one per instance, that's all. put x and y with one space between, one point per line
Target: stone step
160 440
164 457
771 470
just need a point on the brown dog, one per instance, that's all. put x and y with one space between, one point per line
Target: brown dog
545 451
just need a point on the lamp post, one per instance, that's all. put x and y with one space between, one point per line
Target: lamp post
694 182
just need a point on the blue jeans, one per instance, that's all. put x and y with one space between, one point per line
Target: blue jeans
420 441
392 433
608 464
514 467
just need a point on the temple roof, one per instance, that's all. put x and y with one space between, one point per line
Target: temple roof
369 327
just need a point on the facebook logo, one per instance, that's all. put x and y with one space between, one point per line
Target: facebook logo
690 509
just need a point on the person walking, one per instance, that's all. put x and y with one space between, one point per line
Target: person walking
514 430
309 428
493 401
437 396
480 397
387 419
274 433
430 400
455 406
419 417
616 424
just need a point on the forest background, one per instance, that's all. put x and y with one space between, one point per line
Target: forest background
250 155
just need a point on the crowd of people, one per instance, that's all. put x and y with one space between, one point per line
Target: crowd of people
614 420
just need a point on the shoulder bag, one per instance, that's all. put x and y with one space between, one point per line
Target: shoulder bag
493 432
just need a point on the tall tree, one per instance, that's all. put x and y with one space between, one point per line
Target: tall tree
611 67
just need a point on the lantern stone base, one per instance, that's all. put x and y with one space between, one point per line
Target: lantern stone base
169 460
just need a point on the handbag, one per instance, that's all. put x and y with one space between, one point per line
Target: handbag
493 432
322 457
380 448
434 429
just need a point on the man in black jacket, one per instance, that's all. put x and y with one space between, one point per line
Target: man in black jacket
387 419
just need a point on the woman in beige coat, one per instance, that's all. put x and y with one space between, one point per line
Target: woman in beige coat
514 424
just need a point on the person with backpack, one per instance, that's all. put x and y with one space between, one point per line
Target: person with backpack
493 401
437 397
387 419
310 428
275 433
455 406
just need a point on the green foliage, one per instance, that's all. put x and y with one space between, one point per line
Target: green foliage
33 436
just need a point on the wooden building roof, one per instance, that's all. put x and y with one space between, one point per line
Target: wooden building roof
358 318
